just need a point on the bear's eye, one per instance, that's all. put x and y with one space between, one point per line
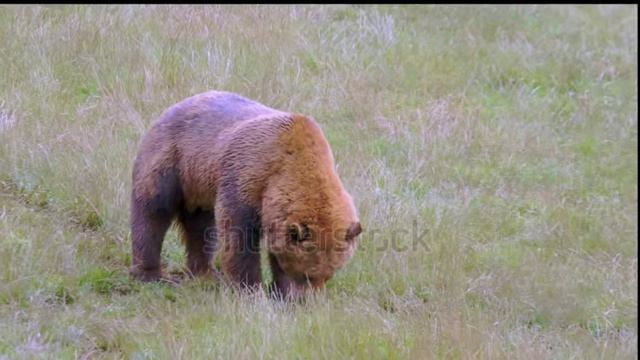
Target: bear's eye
298 233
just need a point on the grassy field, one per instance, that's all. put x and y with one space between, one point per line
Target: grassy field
491 152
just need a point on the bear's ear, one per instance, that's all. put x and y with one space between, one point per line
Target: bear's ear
298 232
354 230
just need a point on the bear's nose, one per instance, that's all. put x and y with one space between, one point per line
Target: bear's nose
317 283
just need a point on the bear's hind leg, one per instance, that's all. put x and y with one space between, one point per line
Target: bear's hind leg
151 217
198 234
147 232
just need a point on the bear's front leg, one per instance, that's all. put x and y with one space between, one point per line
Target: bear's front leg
283 286
239 232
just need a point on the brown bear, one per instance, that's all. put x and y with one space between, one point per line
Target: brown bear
232 169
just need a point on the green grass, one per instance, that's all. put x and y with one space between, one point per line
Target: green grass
491 152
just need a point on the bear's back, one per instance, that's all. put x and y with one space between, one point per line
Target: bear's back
209 113
194 132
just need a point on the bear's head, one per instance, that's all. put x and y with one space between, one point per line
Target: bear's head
311 221
311 243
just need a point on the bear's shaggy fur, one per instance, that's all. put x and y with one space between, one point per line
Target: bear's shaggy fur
232 169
